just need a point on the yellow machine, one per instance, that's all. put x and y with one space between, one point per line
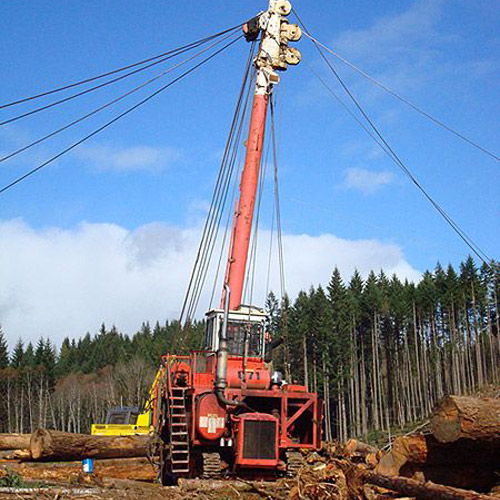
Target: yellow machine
128 420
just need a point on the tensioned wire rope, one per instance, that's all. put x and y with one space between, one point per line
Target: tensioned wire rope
252 260
403 99
275 178
168 54
219 197
113 101
231 167
118 117
276 215
207 246
398 161
277 209
231 212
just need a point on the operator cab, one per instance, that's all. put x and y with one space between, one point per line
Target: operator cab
245 325
122 415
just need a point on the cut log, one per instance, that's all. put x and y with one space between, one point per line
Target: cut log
136 469
53 492
421 490
459 417
372 459
17 455
405 449
480 479
15 441
425 450
355 446
62 446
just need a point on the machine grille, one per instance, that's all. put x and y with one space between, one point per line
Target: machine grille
259 440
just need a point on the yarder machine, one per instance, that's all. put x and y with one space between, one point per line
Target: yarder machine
223 410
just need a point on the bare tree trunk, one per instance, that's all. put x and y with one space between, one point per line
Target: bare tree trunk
326 392
363 390
306 369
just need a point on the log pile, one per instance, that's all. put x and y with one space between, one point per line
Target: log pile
56 456
463 449
459 459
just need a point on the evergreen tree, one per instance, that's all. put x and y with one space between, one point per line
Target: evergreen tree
4 351
17 359
29 356
65 359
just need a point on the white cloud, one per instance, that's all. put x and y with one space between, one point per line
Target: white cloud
127 159
62 282
398 34
367 181
408 49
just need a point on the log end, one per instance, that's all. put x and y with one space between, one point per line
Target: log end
40 442
446 421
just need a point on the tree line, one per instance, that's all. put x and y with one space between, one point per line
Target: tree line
74 386
380 351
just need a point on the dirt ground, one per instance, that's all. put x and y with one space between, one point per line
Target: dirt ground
137 490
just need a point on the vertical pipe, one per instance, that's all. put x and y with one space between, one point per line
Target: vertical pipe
221 373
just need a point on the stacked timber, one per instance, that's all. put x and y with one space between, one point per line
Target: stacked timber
15 441
458 460
56 456
462 417
15 446
463 449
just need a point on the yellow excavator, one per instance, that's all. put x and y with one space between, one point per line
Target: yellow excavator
128 420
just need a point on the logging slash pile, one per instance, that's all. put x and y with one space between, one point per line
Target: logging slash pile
456 458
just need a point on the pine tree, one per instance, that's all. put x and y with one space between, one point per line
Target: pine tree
4 351
65 358
29 356
17 359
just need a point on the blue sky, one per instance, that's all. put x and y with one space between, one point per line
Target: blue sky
148 179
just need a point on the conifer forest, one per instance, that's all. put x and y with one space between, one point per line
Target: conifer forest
381 352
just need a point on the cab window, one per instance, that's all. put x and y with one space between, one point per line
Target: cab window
237 332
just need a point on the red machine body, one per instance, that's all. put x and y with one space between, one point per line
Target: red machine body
258 437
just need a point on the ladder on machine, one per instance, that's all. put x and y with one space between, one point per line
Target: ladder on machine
178 430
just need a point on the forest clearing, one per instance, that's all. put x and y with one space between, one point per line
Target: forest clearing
372 380
453 456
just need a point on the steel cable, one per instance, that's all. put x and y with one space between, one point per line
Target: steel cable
239 160
175 53
281 255
252 261
405 100
112 102
210 236
225 190
219 195
393 155
118 70
115 119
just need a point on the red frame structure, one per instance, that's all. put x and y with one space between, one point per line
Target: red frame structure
293 402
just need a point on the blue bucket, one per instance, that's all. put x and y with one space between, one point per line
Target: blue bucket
88 466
